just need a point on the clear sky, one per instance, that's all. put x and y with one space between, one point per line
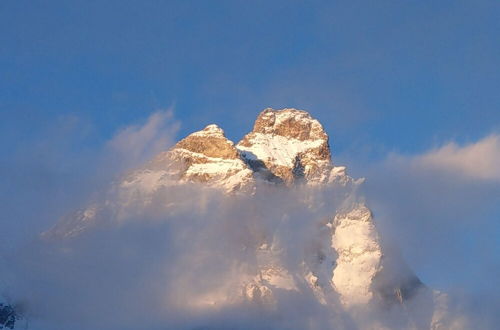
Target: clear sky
396 75
383 77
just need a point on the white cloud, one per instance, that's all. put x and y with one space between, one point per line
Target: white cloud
479 160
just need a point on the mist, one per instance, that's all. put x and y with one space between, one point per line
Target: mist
169 267
178 262
440 209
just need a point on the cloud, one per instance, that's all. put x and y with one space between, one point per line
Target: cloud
135 144
177 263
478 160
63 166
441 208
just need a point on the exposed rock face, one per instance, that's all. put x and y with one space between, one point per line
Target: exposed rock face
290 146
209 142
286 146
206 157
292 124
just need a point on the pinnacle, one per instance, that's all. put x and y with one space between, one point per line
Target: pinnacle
214 128
210 130
290 123
284 110
210 142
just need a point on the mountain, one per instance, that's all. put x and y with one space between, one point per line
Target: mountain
342 262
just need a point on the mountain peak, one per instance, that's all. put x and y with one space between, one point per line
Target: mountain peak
210 130
210 142
290 144
290 123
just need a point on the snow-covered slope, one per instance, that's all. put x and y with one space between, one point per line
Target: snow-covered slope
357 244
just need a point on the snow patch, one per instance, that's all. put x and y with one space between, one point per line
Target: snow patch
277 149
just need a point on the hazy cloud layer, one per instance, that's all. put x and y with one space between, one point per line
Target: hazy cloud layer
180 263
163 266
58 171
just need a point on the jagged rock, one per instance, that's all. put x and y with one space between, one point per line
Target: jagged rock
206 156
290 146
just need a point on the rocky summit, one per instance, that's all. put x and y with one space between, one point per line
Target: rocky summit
207 157
291 146
285 147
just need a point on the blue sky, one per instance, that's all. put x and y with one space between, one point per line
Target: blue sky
397 75
383 77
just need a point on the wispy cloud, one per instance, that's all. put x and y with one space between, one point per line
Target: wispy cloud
477 160
59 170
136 143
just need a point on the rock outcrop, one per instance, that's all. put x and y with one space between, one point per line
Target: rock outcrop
206 157
290 146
